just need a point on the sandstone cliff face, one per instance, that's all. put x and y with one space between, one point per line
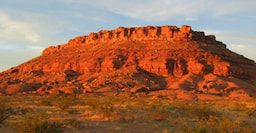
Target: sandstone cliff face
148 33
135 61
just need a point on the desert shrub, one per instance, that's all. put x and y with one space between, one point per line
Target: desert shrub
251 112
160 112
103 107
45 101
219 125
244 109
73 111
20 98
36 123
179 104
5 111
239 107
72 123
123 114
65 101
93 102
203 112
186 129
22 110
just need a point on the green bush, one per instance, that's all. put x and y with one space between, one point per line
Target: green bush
36 123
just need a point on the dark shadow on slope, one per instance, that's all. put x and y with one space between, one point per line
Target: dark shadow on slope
71 75
119 61
153 81
189 82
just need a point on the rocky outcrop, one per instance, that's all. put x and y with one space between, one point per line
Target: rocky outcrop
149 33
164 61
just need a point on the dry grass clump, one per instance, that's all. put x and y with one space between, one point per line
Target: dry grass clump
5 111
36 123
219 125
71 113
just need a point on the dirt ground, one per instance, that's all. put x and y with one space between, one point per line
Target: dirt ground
74 114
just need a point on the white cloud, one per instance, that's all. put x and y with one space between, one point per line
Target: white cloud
232 7
23 36
6 47
239 46
37 49
75 29
48 22
191 18
236 42
14 31
159 10
15 57
244 50
21 29
232 37
144 9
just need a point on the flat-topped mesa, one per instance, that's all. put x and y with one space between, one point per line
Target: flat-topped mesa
162 62
149 33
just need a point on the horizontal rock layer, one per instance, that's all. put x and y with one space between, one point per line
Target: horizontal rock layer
149 33
163 61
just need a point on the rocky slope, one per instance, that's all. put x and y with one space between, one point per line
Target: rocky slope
164 61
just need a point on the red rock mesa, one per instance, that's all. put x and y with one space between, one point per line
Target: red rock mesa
166 61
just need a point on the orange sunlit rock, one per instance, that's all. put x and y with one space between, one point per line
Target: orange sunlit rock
159 61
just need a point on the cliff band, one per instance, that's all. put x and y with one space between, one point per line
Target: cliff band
166 61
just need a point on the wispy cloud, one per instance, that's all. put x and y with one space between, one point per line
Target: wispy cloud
21 31
221 7
16 57
236 42
149 10
166 9
232 37
36 48
33 25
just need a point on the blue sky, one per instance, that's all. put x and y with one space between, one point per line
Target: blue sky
29 26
